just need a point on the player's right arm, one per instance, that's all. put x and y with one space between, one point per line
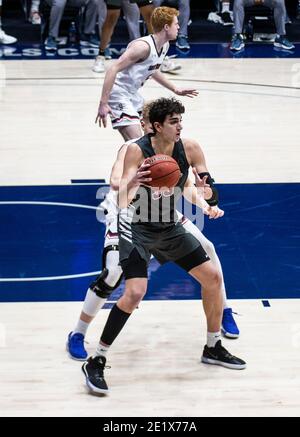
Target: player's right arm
117 168
134 174
137 51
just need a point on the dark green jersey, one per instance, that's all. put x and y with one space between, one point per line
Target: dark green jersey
159 208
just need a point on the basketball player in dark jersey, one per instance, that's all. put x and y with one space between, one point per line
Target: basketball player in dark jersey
148 225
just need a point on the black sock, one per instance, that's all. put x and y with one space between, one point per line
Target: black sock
101 52
115 322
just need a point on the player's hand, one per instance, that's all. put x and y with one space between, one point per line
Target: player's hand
200 183
189 92
142 175
103 110
202 186
214 212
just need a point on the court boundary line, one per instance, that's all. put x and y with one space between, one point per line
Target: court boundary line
173 79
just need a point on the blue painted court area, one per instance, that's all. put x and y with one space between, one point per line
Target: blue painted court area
51 242
198 50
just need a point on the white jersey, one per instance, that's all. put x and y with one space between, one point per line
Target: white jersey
134 77
110 202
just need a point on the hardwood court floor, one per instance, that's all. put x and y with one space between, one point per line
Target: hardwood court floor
245 118
156 369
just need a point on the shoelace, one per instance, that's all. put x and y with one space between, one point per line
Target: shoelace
232 312
78 340
99 374
226 353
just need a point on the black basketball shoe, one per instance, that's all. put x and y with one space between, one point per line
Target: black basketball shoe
93 369
226 18
220 356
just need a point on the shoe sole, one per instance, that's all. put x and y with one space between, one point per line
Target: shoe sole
72 357
276 44
237 50
92 387
220 363
174 70
183 48
229 335
97 71
89 44
7 43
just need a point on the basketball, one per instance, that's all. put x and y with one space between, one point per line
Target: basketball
165 171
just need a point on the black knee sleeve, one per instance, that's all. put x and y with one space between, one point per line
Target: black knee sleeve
99 286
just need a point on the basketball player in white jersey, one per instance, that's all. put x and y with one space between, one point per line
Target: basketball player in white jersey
140 61
111 275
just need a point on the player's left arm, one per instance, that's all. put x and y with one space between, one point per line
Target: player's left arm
197 160
195 195
159 77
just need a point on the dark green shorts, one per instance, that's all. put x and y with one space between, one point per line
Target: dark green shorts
166 243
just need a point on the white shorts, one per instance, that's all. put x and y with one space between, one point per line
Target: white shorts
111 233
126 108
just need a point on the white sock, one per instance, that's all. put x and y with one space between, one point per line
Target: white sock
225 7
101 350
92 304
35 4
212 338
81 327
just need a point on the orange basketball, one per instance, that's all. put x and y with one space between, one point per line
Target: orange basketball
165 171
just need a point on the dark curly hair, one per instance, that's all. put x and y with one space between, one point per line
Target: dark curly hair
161 108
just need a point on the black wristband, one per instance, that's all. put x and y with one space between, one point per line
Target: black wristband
214 200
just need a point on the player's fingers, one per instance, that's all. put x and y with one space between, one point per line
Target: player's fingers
197 177
98 120
221 213
218 215
144 181
143 173
104 121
